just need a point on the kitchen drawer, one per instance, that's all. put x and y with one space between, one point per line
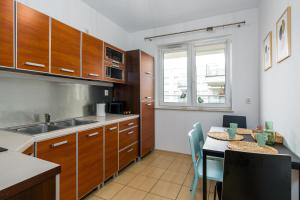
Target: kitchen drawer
128 137
128 124
128 155
62 151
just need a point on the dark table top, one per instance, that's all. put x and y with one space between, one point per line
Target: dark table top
217 148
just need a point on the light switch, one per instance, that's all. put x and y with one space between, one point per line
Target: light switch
106 93
248 100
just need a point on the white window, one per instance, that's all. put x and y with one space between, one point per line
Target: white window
196 75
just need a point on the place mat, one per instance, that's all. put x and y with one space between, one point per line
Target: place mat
244 131
278 138
251 147
224 136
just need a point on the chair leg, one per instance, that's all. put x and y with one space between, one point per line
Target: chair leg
191 188
215 192
194 187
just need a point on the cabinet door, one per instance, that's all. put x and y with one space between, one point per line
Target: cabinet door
62 151
128 155
111 150
92 57
147 128
90 160
6 33
147 64
146 77
65 50
33 39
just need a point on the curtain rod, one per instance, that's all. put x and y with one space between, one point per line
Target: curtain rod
208 29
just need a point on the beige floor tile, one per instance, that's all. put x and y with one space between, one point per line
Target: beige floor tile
174 177
143 183
109 190
136 168
154 197
92 197
183 160
188 181
153 172
167 157
124 178
161 163
180 167
128 193
166 189
185 194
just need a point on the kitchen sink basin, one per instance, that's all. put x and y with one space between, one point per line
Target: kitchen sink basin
53 126
35 129
73 122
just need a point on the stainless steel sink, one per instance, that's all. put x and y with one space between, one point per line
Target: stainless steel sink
35 129
73 122
53 126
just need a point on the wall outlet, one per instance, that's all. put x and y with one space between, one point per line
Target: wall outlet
106 93
248 100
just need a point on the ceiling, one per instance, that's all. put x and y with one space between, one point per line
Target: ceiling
135 15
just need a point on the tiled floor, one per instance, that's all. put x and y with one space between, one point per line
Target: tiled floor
159 176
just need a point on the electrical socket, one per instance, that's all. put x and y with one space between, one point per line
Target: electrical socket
106 93
248 100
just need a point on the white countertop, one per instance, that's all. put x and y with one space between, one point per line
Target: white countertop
20 142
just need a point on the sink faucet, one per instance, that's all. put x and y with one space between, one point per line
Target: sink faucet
47 118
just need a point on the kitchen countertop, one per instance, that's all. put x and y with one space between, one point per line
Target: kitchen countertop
20 172
20 142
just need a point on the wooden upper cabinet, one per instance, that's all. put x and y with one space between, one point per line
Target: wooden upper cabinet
32 39
65 50
92 57
6 33
147 65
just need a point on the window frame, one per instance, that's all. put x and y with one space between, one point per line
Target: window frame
192 103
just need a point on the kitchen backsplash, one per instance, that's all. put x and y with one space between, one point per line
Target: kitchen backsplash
24 101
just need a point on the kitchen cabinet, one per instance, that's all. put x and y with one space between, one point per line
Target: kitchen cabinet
138 94
90 160
32 39
65 50
128 137
7 33
111 150
29 151
62 150
92 57
128 155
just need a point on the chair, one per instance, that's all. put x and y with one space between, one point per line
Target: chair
240 120
214 167
250 176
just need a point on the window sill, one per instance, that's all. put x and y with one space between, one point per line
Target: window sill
184 108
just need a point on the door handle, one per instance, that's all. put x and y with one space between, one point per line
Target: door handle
130 124
94 75
34 64
93 134
148 73
148 97
131 132
59 144
130 150
113 128
67 70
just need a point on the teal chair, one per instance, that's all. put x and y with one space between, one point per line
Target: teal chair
214 167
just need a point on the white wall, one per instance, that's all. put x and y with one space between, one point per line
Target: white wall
280 85
172 126
82 17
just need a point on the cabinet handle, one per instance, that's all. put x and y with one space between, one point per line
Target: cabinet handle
148 104
148 97
34 64
130 124
130 150
131 132
113 128
94 75
59 144
149 73
67 70
93 134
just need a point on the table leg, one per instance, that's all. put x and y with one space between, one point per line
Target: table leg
299 184
204 178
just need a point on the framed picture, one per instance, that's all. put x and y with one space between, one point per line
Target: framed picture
283 36
268 52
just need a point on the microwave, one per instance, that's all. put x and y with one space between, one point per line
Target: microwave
115 73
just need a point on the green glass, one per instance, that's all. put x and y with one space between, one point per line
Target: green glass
269 125
271 137
261 139
233 125
231 133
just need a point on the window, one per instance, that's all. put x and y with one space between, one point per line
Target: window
196 74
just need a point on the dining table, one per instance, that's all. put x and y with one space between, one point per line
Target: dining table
216 148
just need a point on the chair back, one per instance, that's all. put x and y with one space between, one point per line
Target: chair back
195 147
250 176
240 120
199 136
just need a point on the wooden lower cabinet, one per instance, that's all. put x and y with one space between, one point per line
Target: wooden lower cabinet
90 160
127 155
62 150
147 126
128 137
111 150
